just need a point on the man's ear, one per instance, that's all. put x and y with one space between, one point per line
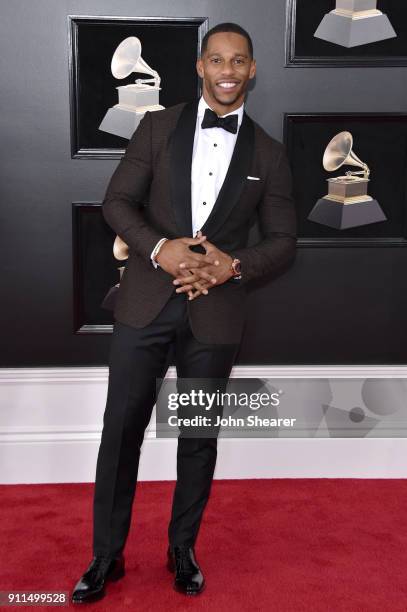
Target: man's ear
199 67
252 69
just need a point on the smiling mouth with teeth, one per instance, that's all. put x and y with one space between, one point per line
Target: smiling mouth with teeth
227 85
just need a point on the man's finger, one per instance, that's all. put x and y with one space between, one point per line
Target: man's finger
190 292
192 241
195 294
184 288
201 287
211 249
196 285
195 277
198 261
188 288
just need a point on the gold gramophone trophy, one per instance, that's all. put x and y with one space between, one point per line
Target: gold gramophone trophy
120 252
136 98
355 22
347 203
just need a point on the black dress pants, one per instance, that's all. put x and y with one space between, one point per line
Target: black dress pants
137 357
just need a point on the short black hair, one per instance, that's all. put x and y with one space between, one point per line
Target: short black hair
227 27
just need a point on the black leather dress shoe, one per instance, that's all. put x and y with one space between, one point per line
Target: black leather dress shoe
188 576
92 584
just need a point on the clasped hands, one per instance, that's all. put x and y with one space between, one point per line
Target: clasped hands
195 273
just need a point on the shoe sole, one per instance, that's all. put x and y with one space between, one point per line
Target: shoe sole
190 593
90 599
112 578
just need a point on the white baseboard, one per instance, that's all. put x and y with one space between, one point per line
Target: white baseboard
51 420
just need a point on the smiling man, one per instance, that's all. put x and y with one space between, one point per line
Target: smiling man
206 169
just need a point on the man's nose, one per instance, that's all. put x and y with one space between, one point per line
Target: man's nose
227 68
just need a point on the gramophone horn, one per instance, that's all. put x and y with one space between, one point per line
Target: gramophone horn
339 153
127 59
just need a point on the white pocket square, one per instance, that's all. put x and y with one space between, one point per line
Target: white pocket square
253 178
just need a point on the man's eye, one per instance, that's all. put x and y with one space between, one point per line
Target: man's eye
215 60
239 61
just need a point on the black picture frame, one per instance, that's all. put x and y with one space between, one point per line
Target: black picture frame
169 45
302 49
95 269
380 140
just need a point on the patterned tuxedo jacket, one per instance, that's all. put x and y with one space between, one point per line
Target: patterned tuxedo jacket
149 197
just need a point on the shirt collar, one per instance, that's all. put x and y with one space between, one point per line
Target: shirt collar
202 106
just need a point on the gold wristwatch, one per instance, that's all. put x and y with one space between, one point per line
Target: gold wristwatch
236 268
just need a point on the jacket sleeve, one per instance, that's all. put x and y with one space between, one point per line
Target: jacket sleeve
122 206
278 224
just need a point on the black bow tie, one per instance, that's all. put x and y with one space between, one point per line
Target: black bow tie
211 120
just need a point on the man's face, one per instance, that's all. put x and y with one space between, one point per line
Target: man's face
226 68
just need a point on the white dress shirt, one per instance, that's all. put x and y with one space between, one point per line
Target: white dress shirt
211 155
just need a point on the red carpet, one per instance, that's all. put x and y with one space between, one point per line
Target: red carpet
284 545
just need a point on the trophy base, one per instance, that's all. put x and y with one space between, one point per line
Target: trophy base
347 189
138 95
352 31
123 121
343 216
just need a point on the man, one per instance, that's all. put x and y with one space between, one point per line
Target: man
206 168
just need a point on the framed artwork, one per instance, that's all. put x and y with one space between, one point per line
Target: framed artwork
346 33
379 143
95 270
149 46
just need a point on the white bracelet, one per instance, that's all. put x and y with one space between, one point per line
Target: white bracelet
157 250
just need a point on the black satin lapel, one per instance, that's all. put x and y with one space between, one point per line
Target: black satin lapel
236 176
181 146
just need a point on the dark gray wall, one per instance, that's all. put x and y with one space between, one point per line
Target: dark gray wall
333 306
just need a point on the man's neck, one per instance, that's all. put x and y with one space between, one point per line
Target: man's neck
221 109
